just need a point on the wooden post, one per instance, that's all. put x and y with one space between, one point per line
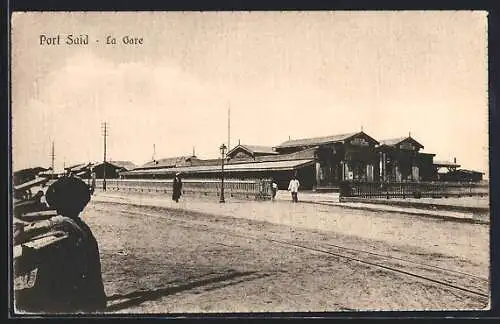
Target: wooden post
384 166
318 170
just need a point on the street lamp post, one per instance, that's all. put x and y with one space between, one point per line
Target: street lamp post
222 149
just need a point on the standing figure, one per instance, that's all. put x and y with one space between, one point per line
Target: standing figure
92 184
293 187
274 189
177 188
67 276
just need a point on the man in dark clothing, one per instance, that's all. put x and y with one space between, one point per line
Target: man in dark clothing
68 276
92 183
177 188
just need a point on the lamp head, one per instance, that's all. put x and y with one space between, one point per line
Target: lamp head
222 149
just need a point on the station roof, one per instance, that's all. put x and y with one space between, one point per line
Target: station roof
240 167
445 164
466 171
127 165
339 138
253 149
78 167
396 141
166 162
305 154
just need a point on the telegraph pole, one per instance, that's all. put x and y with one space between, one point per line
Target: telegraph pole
105 134
229 127
52 156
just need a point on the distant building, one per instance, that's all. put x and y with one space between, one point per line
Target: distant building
442 168
110 168
81 170
25 175
168 163
461 175
123 165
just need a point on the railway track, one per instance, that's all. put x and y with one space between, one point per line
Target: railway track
463 282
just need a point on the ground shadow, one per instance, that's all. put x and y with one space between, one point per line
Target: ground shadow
138 297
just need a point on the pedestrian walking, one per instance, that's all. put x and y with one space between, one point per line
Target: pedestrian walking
293 187
274 189
177 188
92 184
67 277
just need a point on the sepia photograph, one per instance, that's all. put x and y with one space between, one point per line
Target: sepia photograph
207 162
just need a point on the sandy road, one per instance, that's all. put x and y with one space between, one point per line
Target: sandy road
169 261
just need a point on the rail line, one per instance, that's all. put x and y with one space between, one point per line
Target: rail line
451 283
476 292
409 261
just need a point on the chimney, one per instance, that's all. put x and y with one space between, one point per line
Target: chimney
455 160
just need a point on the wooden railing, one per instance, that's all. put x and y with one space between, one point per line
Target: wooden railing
243 189
411 189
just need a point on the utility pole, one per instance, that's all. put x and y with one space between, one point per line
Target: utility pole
229 127
53 156
105 135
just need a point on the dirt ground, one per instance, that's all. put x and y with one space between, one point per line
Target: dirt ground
174 259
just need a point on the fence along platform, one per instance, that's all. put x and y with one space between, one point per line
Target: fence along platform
412 189
242 189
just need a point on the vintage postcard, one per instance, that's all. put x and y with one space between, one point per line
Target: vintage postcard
249 162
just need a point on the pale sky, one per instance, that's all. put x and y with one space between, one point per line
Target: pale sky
297 74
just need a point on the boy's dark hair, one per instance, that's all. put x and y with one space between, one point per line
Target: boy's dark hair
68 195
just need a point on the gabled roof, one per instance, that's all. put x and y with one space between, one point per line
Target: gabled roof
339 138
127 165
253 149
167 162
308 153
392 142
78 167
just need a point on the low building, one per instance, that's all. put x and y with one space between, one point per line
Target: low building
110 169
28 174
461 175
441 168
123 165
81 170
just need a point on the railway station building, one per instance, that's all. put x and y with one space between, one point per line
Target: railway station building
320 162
